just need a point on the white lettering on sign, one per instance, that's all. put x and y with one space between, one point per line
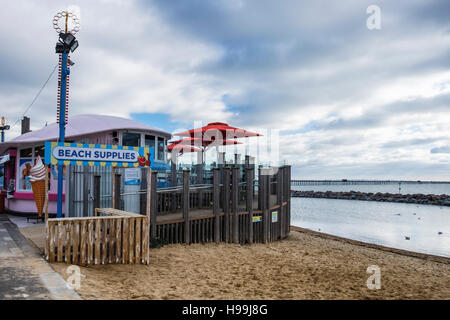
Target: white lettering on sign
95 154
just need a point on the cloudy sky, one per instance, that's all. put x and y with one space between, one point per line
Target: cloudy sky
349 102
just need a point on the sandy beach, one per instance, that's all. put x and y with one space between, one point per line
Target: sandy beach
306 265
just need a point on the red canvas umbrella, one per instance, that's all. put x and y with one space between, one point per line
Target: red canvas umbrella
216 128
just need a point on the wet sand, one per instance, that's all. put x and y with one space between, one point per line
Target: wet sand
306 265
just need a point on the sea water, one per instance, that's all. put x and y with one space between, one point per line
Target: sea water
413 227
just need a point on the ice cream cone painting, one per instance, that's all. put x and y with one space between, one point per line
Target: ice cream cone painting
37 179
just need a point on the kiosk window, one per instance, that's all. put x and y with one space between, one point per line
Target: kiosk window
131 139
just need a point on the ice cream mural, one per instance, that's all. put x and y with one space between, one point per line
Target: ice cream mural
37 180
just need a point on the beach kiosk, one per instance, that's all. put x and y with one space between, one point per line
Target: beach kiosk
19 155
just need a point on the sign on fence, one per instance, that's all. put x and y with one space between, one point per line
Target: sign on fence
98 155
257 219
274 216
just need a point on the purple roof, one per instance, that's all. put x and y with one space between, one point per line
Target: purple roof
81 125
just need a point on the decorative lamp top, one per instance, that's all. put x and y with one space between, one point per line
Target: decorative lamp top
67 15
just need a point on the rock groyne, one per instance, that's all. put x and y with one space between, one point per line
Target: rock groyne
433 199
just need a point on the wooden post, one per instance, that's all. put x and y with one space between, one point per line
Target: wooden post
154 204
96 192
249 205
226 202
216 200
187 234
117 191
235 203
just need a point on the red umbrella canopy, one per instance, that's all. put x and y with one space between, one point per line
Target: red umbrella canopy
205 143
219 130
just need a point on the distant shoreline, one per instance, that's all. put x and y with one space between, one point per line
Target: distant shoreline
418 198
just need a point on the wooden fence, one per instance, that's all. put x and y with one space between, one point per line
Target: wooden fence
233 209
112 236
232 217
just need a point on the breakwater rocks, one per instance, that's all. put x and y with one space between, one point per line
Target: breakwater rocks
438 200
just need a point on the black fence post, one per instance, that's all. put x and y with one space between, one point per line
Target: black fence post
282 211
117 203
187 233
96 192
154 204
216 200
249 205
226 202
235 203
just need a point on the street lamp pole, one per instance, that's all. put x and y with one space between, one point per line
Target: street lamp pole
67 42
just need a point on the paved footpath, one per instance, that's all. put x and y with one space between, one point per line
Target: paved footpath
24 274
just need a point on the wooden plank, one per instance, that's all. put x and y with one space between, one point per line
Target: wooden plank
226 202
118 239
90 243
187 234
112 241
97 242
125 240
138 240
145 240
83 240
68 241
60 241
76 242
131 244
47 240
235 203
51 235
104 253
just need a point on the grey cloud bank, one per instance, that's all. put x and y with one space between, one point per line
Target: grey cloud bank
349 101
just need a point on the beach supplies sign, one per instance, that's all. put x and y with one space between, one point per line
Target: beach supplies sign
80 154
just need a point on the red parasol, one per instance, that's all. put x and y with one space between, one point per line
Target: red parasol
191 141
213 129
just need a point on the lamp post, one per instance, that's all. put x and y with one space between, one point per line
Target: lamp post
66 43
3 128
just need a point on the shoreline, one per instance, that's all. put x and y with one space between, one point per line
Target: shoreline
419 198
420 255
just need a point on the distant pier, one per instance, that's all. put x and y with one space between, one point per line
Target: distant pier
360 182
